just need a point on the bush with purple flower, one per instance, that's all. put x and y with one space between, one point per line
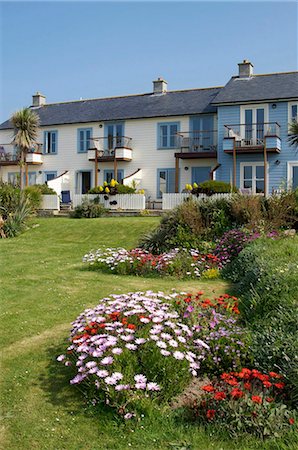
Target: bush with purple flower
132 347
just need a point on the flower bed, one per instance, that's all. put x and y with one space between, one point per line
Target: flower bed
214 322
246 401
178 262
129 347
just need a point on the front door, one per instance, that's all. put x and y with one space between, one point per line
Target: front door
200 174
83 182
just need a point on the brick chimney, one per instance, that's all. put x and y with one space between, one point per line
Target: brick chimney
38 99
159 86
245 69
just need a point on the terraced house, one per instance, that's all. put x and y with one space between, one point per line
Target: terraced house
164 139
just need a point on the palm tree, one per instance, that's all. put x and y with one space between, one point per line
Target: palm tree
293 134
26 127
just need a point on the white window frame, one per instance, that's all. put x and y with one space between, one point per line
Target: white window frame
253 165
290 104
290 165
254 107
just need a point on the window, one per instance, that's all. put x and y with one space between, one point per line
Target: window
167 134
13 177
165 181
293 174
252 177
48 176
114 133
109 175
50 146
292 112
84 137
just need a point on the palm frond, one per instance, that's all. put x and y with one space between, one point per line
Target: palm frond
293 134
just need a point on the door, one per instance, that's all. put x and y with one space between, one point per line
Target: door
114 133
86 182
165 181
201 135
200 174
254 126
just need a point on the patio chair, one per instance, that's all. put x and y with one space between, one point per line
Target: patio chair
65 197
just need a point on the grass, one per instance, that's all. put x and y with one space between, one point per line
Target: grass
43 288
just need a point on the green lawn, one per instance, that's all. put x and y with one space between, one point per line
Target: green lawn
44 286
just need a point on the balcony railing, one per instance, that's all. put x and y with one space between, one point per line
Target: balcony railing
107 145
9 153
197 141
253 134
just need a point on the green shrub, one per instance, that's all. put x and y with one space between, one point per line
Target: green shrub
214 187
33 193
123 189
45 189
89 209
189 225
266 274
14 222
112 188
274 347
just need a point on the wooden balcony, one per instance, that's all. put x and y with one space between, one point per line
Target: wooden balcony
110 148
252 138
197 144
9 155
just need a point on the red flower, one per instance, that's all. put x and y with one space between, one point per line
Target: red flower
275 375
269 399
245 373
247 386
232 382
131 326
208 388
267 384
279 385
256 399
102 325
200 293
236 393
219 396
291 421
210 414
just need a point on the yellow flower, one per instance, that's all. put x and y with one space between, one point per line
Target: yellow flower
100 188
113 183
105 183
195 185
107 190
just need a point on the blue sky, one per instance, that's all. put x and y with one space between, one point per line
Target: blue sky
69 50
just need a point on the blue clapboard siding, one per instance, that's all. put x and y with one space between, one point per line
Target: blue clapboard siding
226 115
277 161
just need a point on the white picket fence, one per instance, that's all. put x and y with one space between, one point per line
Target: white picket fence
170 201
50 202
119 201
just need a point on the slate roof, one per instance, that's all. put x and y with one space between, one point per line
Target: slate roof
172 103
275 86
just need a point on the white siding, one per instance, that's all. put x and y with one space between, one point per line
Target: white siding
146 156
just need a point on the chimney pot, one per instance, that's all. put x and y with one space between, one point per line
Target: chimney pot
38 99
245 69
159 86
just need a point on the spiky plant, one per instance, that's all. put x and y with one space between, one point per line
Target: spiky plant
293 134
26 126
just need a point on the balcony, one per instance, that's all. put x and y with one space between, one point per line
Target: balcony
110 148
10 156
197 144
252 138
